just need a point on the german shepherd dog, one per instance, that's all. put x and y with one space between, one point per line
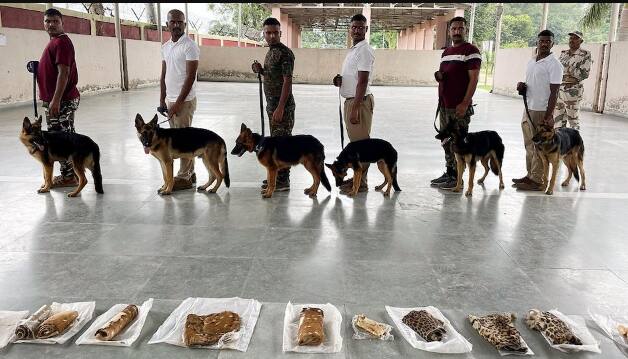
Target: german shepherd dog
556 144
279 152
48 147
166 144
468 148
358 153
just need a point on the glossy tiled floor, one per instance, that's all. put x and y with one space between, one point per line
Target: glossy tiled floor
498 251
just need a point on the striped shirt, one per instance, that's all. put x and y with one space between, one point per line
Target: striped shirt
455 63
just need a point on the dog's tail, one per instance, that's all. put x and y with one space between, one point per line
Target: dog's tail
225 168
394 176
96 174
324 179
499 152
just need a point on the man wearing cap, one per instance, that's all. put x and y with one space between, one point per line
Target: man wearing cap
577 65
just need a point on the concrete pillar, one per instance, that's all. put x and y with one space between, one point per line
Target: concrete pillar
544 17
48 5
159 24
428 42
276 12
285 28
299 42
288 33
142 35
498 37
411 39
398 39
401 41
420 37
472 23
366 11
92 25
187 31
441 32
612 33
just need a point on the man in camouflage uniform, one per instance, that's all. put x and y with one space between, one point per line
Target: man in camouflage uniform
277 72
57 77
577 65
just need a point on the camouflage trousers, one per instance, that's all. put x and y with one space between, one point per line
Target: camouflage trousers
282 128
568 106
447 116
63 123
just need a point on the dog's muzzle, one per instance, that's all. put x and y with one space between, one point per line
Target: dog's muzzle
238 150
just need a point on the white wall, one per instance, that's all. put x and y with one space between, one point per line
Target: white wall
319 66
617 87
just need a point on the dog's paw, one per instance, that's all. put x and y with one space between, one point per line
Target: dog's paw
565 184
468 193
212 190
43 190
73 194
583 187
456 189
267 195
480 182
378 188
200 189
501 186
549 192
312 194
386 193
307 191
165 193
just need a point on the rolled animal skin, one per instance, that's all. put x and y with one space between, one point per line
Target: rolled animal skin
204 330
56 324
117 323
311 327
26 329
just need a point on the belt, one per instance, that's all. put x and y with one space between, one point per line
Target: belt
363 99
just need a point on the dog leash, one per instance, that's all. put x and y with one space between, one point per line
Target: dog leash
261 101
32 67
525 104
342 130
164 112
436 115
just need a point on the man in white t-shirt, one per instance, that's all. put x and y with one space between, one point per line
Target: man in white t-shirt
179 63
544 74
354 86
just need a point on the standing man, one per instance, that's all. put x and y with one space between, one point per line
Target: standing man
179 63
457 80
576 67
354 82
280 106
544 75
57 78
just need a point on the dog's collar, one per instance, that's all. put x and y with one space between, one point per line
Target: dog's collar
260 145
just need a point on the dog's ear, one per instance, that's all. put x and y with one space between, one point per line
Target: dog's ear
153 122
242 127
139 121
26 125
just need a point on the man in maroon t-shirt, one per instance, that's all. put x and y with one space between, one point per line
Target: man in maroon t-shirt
57 78
457 79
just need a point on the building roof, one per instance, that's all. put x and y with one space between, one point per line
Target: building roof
384 16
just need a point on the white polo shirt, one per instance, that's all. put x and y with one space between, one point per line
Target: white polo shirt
539 75
176 54
361 57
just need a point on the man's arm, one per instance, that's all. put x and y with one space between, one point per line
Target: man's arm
62 81
162 85
286 90
462 107
360 90
190 69
551 103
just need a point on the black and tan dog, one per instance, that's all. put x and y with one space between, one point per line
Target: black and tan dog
279 152
556 144
359 153
469 147
166 144
48 147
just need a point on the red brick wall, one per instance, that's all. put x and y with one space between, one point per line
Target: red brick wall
230 43
210 42
109 29
34 20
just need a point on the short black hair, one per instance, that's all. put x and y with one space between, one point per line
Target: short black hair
53 12
358 17
271 21
458 18
546 33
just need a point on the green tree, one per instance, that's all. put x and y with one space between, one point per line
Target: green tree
383 39
253 15
517 30
319 39
597 15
